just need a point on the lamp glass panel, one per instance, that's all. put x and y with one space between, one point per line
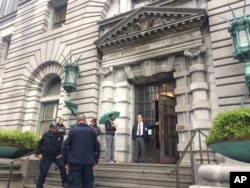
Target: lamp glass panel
235 42
65 79
71 77
243 38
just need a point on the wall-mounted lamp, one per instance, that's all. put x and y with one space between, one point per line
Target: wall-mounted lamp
71 73
240 33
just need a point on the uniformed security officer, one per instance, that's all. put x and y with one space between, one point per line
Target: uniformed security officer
48 151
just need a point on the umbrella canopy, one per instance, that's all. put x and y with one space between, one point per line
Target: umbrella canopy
105 116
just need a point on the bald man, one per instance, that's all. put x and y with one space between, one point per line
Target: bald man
81 151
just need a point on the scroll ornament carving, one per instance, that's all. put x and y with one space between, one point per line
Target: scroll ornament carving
105 70
195 52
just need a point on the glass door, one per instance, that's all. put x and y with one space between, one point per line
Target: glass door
167 133
156 102
144 105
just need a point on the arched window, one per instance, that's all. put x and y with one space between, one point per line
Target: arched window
49 104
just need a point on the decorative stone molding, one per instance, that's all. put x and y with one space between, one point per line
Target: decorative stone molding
149 21
195 52
21 2
201 104
197 68
198 86
105 70
220 172
145 21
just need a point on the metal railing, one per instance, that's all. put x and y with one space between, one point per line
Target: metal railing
11 163
189 145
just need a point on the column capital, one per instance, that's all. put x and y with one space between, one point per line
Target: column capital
105 70
195 51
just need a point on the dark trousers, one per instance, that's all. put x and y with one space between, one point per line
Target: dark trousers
81 175
45 163
139 149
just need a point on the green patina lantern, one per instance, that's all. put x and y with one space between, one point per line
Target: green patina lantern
71 74
240 33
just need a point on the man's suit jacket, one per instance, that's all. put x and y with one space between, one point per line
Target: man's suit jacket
146 126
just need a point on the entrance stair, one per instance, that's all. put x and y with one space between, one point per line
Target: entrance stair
140 175
17 176
130 175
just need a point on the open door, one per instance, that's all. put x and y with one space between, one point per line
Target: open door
167 129
156 102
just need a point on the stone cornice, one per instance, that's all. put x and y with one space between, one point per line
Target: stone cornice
124 15
6 18
148 21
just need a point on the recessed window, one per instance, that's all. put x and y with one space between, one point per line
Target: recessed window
58 11
49 104
6 45
60 16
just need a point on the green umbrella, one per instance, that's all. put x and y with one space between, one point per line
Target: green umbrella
105 116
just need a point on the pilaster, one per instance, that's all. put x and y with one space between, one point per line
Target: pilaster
116 96
124 106
108 87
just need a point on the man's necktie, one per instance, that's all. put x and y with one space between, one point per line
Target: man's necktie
139 129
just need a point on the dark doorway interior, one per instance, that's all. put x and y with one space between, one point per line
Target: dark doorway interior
156 102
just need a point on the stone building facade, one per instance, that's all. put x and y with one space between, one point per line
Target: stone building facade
140 56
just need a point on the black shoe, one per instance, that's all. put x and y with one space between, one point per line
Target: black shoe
65 185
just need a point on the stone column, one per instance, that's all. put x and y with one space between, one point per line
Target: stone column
183 106
200 106
193 107
107 89
115 95
106 100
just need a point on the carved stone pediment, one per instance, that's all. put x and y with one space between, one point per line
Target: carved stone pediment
148 21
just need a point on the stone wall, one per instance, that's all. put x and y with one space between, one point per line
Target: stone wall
229 73
35 56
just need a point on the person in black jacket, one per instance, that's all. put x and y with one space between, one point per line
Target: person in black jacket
95 127
81 151
110 127
48 151
139 136
60 126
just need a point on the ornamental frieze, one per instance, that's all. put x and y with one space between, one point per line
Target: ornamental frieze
150 22
144 21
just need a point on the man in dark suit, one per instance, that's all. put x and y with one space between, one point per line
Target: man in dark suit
140 135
